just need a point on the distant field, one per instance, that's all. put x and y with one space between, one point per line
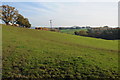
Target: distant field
71 31
35 54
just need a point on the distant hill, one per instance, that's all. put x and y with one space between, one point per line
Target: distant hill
71 31
37 54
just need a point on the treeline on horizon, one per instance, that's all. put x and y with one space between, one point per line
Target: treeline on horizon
101 32
74 27
10 16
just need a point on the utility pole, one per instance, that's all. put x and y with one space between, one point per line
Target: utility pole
51 24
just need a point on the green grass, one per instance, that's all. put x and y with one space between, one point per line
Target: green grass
71 31
29 53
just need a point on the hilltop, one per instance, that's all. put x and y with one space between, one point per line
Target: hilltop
29 53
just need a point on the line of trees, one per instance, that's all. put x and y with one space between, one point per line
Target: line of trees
104 33
74 27
10 15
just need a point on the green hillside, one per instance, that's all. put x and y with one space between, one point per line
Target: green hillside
71 31
36 54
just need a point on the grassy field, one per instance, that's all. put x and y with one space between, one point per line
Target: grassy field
71 31
35 54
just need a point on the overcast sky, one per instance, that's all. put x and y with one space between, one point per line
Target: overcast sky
69 13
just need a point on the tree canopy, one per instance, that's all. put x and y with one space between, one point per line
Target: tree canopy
24 22
10 15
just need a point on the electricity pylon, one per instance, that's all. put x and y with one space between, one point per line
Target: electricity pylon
51 24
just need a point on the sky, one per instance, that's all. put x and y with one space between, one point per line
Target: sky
59 0
68 13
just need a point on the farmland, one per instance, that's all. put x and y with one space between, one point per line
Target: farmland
38 54
71 31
